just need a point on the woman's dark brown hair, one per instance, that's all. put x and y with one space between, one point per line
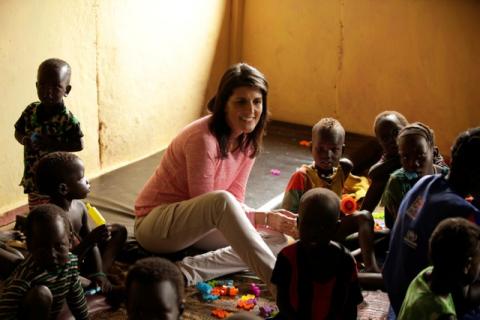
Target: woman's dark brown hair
238 75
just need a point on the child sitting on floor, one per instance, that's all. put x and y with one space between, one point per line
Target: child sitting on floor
60 175
386 126
39 286
416 143
155 290
9 256
316 278
432 199
47 126
455 255
330 171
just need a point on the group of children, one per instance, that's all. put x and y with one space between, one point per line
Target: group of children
426 211
316 277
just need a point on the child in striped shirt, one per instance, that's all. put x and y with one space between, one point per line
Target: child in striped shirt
49 276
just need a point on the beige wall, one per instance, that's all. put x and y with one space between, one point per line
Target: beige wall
140 68
154 65
143 69
32 31
352 59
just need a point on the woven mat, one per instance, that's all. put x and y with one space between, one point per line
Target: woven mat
375 305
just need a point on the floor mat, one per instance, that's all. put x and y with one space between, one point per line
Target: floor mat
374 306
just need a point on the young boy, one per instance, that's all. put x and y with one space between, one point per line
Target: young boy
60 175
316 278
39 286
455 255
47 126
155 290
432 199
330 171
386 126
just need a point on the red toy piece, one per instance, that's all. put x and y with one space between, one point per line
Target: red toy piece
305 143
220 313
348 205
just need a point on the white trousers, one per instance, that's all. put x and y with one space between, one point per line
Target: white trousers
214 221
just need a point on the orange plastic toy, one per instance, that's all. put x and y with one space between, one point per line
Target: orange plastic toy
247 302
348 205
305 143
220 313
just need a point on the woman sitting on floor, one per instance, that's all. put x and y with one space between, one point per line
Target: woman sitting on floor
195 197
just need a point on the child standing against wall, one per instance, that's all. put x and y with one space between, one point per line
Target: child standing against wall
316 278
47 126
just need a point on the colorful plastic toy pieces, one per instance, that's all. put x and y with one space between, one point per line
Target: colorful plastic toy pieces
206 291
275 172
305 143
255 290
266 311
348 205
220 313
95 214
225 291
247 302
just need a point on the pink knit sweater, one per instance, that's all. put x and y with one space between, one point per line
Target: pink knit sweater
192 166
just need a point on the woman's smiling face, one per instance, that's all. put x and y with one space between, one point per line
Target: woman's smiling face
243 110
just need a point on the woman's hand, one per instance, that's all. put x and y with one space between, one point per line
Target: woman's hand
282 221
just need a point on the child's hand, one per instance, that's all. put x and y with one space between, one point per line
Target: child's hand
283 221
42 141
11 235
101 233
102 281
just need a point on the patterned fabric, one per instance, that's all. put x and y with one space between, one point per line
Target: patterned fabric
397 187
307 177
36 199
62 126
421 303
64 283
320 286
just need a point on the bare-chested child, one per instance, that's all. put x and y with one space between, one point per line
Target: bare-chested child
386 126
60 175
332 172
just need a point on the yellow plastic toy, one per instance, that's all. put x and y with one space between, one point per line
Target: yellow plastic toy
95 215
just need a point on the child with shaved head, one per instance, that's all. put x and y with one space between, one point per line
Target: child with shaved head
331 171
316 278
47 125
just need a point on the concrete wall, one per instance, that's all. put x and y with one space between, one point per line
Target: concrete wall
140 72
143 69
352 59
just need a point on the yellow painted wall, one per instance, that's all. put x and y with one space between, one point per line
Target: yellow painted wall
143 69
155 61
140 68
352 59
32 31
